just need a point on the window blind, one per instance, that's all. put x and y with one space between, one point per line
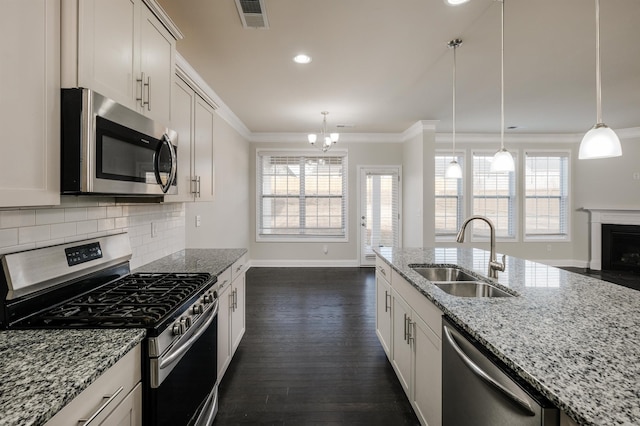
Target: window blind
494 196
301 196
449 201
547 194
382 217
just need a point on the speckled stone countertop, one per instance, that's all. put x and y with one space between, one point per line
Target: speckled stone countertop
41 371
213 261
574 338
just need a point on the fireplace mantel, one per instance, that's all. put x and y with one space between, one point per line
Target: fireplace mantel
610 215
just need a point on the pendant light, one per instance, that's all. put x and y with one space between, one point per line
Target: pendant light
502 160
600 141
454 171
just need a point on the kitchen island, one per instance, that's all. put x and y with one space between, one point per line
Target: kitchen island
575 339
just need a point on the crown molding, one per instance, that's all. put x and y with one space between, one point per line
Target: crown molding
187 72
166 20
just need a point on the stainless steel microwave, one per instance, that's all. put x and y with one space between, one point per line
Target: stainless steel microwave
112 150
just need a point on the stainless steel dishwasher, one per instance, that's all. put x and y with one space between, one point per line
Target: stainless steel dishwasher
477 390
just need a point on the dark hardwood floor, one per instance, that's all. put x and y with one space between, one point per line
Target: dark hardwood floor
310 354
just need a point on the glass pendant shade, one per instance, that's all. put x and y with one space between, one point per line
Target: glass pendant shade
600 142
454 171
312 137
502 162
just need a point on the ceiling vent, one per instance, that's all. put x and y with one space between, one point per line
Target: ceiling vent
253 13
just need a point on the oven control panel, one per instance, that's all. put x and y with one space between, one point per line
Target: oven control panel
192 314
84 253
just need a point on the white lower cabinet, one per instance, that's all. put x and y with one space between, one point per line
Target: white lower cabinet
114 399
231 314
383 313
416 345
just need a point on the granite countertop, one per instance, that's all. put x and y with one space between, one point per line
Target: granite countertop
43 370
213 261
574 338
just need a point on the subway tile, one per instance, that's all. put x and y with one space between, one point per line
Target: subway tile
8 237
48 243
63 230
114 211
75 214
33 234
49 216
27 217
87 226
106 224
121 222
10 219
96 212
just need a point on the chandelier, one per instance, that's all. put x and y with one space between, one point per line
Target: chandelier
327 139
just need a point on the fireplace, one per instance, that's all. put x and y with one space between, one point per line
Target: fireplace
620 247
598 218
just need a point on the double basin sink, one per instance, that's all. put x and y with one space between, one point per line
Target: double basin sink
458 283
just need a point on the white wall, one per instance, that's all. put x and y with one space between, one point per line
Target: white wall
606 183
225 220
79 218
309 253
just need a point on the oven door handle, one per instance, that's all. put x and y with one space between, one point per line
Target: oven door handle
177 353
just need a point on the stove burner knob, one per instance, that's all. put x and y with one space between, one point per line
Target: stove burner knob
197 309
187 322
178 328
208 298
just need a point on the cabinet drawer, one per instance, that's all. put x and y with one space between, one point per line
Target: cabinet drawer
238 267
383 269
123 374
224 280
422 306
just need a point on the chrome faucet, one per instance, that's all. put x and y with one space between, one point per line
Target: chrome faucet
494 265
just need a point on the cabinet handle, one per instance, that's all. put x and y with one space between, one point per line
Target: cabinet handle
405 328
235 299
239 268
411 331
141 98
198 186
109 400
148 92
386 295
382 271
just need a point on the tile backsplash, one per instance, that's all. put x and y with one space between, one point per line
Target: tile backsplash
79 218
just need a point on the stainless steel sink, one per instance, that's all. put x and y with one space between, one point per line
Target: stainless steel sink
471 289
444 274
458 283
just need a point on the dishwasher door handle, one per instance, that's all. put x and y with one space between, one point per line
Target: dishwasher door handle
486 377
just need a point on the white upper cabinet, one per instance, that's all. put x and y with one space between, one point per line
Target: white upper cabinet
123 49
30 103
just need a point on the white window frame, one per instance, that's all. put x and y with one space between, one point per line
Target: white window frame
515 216
301 238
462 160
547 237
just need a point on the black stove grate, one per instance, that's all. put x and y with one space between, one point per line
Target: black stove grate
137 300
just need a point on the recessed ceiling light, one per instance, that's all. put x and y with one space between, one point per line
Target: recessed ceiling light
455 2
302 59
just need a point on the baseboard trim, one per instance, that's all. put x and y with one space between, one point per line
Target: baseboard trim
290 263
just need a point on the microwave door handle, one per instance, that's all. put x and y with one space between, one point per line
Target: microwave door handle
172 173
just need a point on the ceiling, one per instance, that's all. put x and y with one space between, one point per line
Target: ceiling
383 65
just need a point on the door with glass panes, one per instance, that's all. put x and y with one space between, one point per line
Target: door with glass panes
379 210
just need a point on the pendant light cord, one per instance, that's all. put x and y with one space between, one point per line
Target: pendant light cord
502 80
598 78
453 152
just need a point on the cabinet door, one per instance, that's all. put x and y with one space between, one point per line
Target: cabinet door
401 349
128 412
203 149
383 313
107 61
30 103
182 114
157 67
224 323
427 374
237 316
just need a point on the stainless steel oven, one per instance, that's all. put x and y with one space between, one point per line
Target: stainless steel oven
88 284
110 149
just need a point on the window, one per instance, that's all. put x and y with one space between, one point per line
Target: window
546 195
449 201
494 196
301 196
